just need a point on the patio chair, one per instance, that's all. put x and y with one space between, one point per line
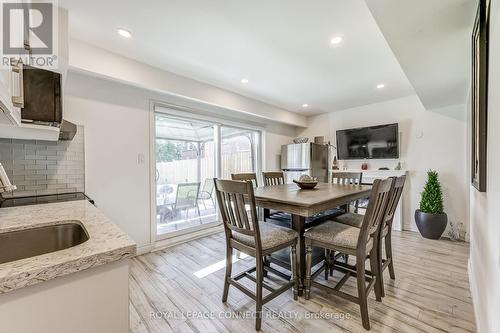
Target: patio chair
207 192
186 198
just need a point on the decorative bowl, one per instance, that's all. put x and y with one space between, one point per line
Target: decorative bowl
306 185
300 140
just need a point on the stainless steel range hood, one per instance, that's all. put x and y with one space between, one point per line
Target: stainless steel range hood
68 130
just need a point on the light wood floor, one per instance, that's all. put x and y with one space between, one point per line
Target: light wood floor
430 293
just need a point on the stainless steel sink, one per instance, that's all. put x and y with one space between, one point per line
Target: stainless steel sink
32 242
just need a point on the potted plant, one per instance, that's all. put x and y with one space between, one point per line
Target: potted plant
430 218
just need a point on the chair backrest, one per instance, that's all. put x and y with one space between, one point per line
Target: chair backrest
273 178
187 195
375 212
394 197
347 178
208 186
232 197
249 176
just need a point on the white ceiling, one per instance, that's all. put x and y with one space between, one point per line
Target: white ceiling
281 46
431 39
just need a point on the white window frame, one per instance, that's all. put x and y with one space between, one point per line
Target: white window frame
184 113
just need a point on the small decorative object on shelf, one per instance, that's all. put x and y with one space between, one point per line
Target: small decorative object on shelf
335 165
364 166
398 167
430 218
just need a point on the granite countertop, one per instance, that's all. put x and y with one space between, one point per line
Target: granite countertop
106 244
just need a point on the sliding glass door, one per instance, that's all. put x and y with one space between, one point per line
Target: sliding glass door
240 149
189 154
185 168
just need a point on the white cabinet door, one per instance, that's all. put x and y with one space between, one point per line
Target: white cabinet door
10 86
10 82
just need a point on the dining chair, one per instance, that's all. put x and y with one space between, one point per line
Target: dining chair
273 178
246 176
247 234
348 178
356 220
359 242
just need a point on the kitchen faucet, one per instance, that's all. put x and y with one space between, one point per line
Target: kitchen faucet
5 185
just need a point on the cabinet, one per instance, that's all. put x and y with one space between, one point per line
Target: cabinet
11 78
10 84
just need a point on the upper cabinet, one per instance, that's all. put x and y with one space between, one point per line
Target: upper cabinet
26 46
10 93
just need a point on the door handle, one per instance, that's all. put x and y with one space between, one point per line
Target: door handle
17 67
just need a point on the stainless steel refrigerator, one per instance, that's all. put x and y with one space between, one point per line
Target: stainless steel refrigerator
305 158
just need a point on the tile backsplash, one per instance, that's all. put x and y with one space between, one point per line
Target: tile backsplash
44 167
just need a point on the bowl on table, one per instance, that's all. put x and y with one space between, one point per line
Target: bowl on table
306 182
308 185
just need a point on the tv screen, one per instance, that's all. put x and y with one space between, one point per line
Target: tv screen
374 142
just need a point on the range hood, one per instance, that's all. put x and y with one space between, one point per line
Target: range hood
67 130
33 131
40 109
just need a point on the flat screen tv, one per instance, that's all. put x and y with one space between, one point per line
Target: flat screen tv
374 142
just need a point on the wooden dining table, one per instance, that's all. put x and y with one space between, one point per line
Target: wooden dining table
301 204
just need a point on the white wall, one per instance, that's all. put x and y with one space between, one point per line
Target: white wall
116 120
485 207
429 140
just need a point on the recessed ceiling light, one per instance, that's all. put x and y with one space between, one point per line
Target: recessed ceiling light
124 33
336 40
380 86
244 80
305 105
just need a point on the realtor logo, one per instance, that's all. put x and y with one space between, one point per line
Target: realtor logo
27 23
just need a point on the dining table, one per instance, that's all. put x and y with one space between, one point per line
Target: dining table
305 203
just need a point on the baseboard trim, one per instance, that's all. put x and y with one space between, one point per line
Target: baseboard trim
474 295
166 243
143 249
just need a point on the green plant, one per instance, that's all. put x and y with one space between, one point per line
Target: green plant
432 196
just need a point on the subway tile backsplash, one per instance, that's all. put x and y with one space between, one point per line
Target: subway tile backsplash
44 167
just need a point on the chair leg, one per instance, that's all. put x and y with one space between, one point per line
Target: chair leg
293 264
388 254
258 293
362 297
199 214
307 293
229 267
375 270
380 277
267 263
327 262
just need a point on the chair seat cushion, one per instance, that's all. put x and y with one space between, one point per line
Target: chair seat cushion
337 235
352 219
270 236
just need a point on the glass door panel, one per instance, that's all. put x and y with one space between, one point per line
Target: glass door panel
185 168
240 151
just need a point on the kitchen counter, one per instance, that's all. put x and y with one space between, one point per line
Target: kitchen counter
106 244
